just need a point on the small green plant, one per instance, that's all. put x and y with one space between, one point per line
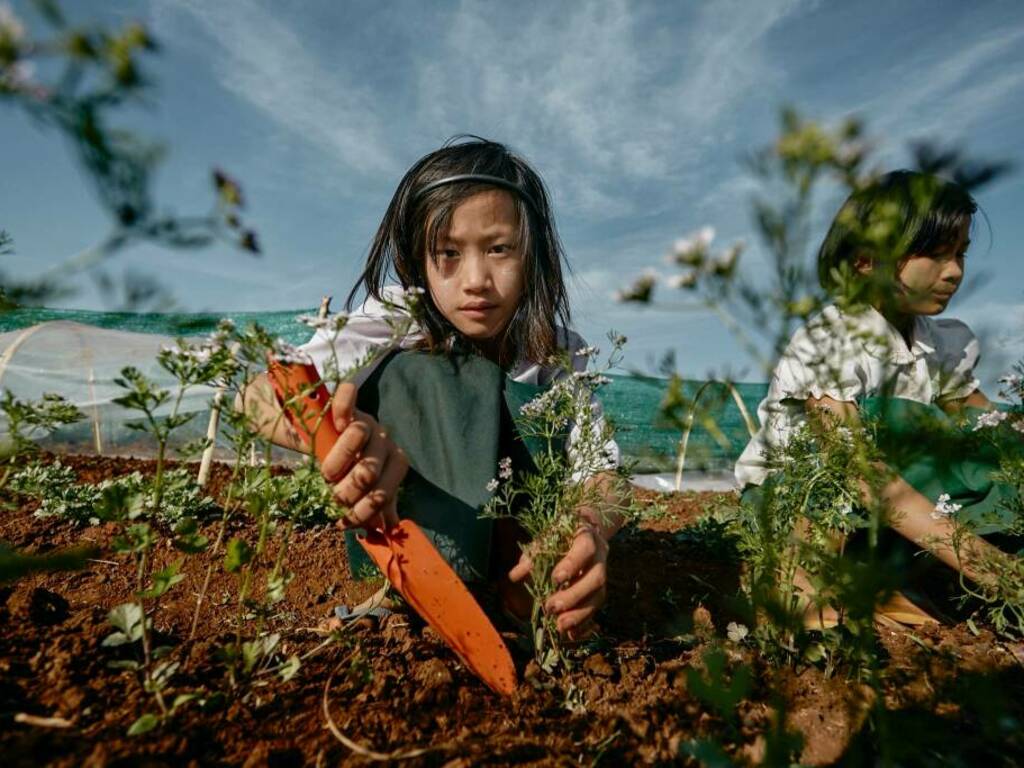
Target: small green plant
547 502
61 495
791 542
27 420
1001 590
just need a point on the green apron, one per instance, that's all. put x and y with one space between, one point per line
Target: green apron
937 455
452 415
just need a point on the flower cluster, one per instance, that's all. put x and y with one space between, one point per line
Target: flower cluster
332 323
504 473
12 31
692 250
990 419
1013 386
284 352
945 508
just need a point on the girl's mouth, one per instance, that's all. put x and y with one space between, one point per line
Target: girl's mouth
479 310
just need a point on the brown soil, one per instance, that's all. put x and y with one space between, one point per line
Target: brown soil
950 696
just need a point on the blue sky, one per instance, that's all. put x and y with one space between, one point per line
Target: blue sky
637 115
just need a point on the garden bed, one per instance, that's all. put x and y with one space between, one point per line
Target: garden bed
952 694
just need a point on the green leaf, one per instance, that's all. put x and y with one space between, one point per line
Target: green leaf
187 537
164 580
276 586
128 618
237 554
290 668
122 663
260 648
182 699
144 724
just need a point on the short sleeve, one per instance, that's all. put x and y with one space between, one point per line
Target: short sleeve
369 330
957 352
821 360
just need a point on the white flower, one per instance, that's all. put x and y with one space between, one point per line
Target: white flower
1012 380
492 485
686 281
505 468
1018 425
696 243
726 262
591 377
333 322
1014 385
287 353
845 434
736 632
414 290
11 27
587 352
990 419
945 508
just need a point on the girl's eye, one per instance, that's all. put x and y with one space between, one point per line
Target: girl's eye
501 248
447 253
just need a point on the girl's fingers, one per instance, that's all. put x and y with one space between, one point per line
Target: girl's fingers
521 569
365 473
346 449
588 588
343 405
583 550
381 498
579 622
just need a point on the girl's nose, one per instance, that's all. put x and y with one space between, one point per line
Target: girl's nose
954 271
477 273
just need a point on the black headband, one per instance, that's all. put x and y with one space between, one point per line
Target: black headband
494 181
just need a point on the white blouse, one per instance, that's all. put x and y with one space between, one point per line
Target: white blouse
370 327
850 356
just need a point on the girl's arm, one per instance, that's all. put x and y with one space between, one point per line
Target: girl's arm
909 511
266 416
976 399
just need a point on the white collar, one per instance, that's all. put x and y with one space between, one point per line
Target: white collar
882 340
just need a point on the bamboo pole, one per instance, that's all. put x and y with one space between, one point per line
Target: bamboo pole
211 438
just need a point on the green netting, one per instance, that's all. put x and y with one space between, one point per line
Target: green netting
189 324
645 437
78 354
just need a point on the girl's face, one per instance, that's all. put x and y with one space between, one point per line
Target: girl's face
475 277
930 280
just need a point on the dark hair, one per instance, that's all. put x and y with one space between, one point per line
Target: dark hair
414 221
895 216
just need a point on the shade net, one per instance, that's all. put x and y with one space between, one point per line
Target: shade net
55 351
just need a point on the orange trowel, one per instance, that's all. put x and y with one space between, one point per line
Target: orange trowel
403 552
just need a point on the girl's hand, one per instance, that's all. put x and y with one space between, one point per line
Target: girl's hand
364 467
582 576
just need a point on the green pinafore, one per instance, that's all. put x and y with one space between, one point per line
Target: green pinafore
453 417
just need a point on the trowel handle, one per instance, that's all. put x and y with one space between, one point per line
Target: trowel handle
309 413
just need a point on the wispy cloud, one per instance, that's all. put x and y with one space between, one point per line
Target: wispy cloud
605 96
261 59
942 92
